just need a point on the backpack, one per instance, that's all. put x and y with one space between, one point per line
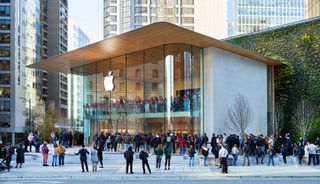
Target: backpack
45 149
168 139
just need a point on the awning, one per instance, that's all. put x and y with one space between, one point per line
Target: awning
143 38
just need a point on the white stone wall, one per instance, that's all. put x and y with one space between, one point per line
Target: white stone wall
225 76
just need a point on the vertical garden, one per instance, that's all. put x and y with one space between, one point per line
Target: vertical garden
297 82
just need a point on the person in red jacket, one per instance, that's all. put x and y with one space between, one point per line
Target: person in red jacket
182 146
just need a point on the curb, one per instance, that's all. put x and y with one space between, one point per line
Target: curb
142 177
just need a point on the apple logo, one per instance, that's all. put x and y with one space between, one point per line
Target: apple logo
108 82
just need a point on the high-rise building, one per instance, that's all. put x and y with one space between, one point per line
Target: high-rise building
57 43
312 8
124 15
76 38
20 45
246 16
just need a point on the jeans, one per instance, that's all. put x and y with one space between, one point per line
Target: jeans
168 159
84 163
182 150
205 160
284 157
61 159
271 159
235 159
191 161
129 164
244 160
145 163
54 160
158 161
224 165
311 156
45 159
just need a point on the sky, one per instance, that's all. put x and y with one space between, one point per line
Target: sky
89 16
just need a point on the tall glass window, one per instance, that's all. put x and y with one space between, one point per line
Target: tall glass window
156 90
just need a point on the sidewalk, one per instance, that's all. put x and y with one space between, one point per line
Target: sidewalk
114 169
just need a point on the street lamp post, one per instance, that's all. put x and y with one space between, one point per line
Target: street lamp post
30 118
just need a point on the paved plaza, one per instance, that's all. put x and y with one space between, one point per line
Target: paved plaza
114 169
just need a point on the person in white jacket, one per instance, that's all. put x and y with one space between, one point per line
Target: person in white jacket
235 152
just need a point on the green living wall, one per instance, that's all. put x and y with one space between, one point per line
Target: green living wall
297 82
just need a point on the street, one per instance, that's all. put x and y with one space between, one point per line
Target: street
233 181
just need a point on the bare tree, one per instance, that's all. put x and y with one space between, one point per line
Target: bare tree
240 114
278 120
302 118
136 126
38 114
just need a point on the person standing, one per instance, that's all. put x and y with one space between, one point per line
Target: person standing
312 149
223 156
158 153
94 158
100 156
45 154
245 154
167 153
271 154
37 142
144 157
299 153
259 155
284 153
54 155
182 145
30 141
128 155
9 151
83 152
192 152
20 155
61 151
235 152
205 153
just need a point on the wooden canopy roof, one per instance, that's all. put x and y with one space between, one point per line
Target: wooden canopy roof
143 38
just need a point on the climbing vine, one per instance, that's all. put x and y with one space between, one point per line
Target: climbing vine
298 80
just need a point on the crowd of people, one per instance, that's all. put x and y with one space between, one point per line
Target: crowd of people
188 145
179 103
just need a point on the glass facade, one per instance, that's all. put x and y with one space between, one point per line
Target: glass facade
125 15
253 15
155 90
5 54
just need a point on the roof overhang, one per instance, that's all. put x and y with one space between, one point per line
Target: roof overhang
149 36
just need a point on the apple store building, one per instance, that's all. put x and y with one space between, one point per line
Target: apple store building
162 78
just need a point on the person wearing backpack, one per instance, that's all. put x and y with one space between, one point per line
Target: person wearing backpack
144 158
167 153
45 153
